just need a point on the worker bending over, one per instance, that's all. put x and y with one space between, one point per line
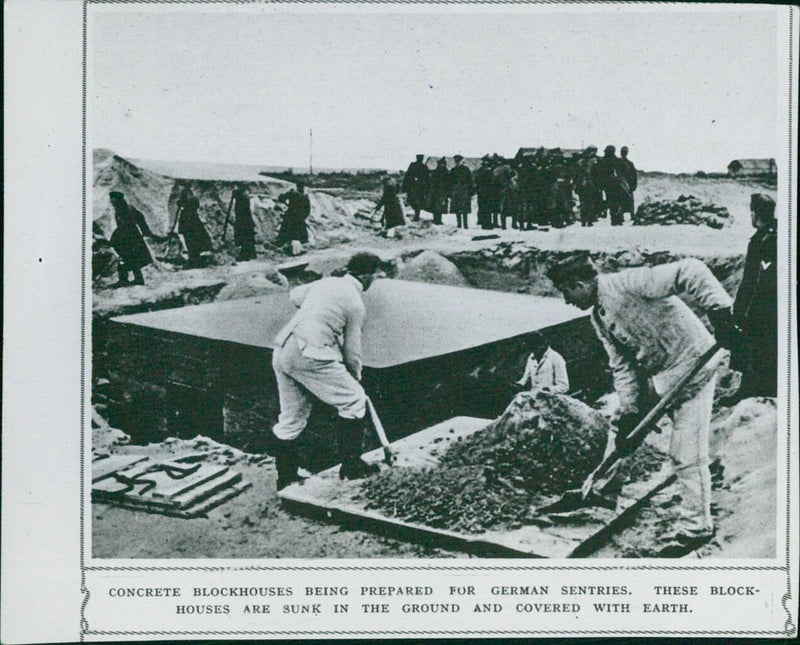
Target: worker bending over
318 353
647 329
545 369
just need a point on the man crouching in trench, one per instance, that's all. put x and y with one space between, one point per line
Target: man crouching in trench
318 353
648 331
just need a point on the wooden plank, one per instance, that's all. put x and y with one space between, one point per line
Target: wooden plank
568 535
220 498
167 487
103 468
202 492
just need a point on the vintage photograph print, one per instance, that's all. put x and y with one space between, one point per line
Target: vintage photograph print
435 281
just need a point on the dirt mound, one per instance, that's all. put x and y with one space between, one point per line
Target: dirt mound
542 444
255 284
687 209
156 196
429 266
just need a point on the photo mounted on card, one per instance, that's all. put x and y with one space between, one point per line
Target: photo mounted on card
474 316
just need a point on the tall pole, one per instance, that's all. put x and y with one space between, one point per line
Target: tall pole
310 151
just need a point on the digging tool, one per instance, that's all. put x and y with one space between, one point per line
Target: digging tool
388 456
586 495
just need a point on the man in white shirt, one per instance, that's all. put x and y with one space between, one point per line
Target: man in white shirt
646 328
546 369
318 354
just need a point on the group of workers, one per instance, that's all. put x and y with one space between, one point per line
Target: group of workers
641 317
128 239
531 190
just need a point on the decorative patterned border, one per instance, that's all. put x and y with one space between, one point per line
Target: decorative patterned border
789 626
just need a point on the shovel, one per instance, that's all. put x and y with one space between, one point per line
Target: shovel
388 456
586 495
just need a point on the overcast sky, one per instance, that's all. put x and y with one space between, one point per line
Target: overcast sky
684 90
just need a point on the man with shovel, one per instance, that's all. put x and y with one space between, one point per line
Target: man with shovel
648 330
318 354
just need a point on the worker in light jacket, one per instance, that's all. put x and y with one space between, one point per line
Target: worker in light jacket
646 328
318 354
545 369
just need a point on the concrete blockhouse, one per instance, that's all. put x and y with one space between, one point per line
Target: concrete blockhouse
431 352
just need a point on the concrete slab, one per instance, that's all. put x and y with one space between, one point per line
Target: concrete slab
406 321
569 535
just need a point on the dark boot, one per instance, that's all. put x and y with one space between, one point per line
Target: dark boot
351 435
138 278
286 462
123 279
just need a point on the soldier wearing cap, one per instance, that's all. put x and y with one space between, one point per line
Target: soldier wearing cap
191 227
629 174
439 190
244 230
461 191
614 184
128 240
586 186
649 331
298 208
756 305
416 184
484 189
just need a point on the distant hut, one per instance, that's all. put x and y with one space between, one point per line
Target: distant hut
752 168
567 153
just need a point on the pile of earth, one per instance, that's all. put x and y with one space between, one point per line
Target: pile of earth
543 444
332 219
687 209
430 267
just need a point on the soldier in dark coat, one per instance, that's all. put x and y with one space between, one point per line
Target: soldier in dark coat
756 307
392 207
614 184
244 230
586 187
628 172
504 194
416 184
191 227
439 190
128 240
484 188
461 191
298 208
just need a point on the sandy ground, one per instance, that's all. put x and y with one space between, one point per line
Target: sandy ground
253 525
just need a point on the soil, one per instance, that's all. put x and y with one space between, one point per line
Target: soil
253 525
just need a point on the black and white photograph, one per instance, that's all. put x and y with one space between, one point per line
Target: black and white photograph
436 285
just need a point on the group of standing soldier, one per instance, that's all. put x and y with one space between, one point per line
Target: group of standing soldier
531 190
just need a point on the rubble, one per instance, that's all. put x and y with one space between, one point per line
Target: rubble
542 444
429 266
686 209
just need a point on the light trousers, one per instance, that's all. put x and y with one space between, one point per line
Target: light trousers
300 378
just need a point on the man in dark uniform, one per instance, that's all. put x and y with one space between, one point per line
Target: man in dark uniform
416 184
629 174
298 208
586 185
484 187
128 240
756 307
613 184
503 194
191 227
439 190
244 230
461 191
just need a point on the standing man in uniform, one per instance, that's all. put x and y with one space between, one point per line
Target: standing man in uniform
613 184
484 187
756 306
128 240
439 190
416 184
191 228
244 230
649 331
298 208
318 354
586 185
461 191
628 172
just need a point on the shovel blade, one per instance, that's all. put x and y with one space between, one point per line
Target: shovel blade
573 500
